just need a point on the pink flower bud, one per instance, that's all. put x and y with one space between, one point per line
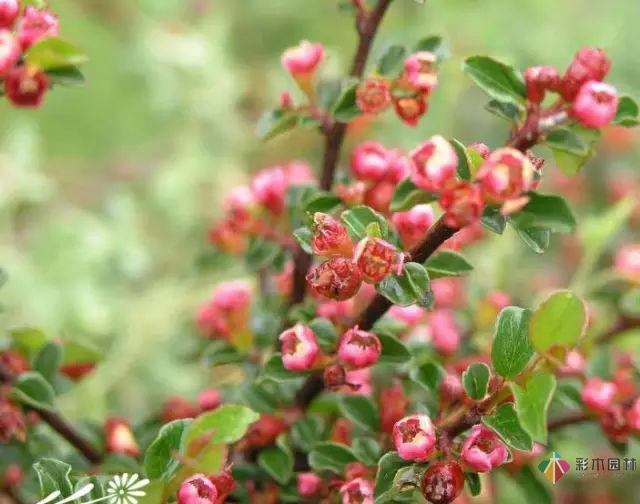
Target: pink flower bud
352 194
309 484
265 431
448 292
410 108
420 71
303 58
35 25
359 349
633 415
598 394
376 259
450 388
26 87
573 363
232 296
210 399
540 79
119 437
238 204
442 482
369 161
414 437
330 237
9 10
14 362
9 52
358 382
445 334
270 188
286 100
595 104
299 348
483 451
198 489
177 408
393 405
336 311
462 204
412 225
379 196
613 423
481 149
506 175
627 262
410 315
338 278
373 95
299 172
435 163
13 476
357 491
588 64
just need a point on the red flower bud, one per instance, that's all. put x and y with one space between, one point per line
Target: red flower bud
462 204
412 225
309 484
540 79
9 10
588 64
77 370
393 405
435 164
420 71
334 377
341 431
633 416
26 87
265 431
376 259
13 476
14 362
481 149
595 105
614 424
370 161
483 451
359 349
209 400
373 96
338 278
379 196
35 25
410 108
224 483
627 262
442 482
176 408
119 437
355 470
330 237
270 187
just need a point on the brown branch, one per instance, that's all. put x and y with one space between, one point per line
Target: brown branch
59 424
571 419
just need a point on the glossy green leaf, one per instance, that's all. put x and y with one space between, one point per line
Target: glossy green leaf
275 122
358 219
497 79
75 353
360 410
306 432
53 52
535 490
321 201
263 253
546 212
274 370
367 450
473 483
532 404
32 389
493 220
330 456
346 108
505 110
464 163
447 263
627 113
433 44
277 462
537 239
219 353
303 236
475 380
388 466
159 459
325 332
66 76
429 375
412 287
511 350
226 424
407 195
393 350
506 424
48 360
391 62
572 147
559 321
54 475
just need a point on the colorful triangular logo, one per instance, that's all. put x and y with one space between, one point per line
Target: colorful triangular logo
554 468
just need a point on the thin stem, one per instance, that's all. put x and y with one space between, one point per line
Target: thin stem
59 424
571 419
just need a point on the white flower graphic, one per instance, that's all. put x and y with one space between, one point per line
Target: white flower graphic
124 489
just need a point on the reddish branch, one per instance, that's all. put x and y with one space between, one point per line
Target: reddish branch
60 425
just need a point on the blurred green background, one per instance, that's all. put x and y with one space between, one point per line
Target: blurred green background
106 192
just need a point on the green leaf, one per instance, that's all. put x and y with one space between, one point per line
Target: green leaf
630 303
96 493
511 350
429 375
357 219
346 108
48 360
321 201
274 370
275 122
32 389
532 404
546 212
226 424
80 353
361 411
53 52
572 147
388 466
559 321
463 169
393 350
219 353
159 460
330 456
53 475
506 424
412 287
532 487
27 340
407 195
367 450
277 462
262 253
392 60
566 140
473 482
328 92
497 79
306 432
537 239
447 263
66 76
505 110
434 44
627 113
325 332
303 236
493 220
475 380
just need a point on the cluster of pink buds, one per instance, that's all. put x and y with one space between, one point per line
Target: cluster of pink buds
24 86
227 311
592 102
201 489
408 93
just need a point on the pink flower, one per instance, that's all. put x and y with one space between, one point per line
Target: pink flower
482 450
299 348
357 491
540 79
358 381
298 172
598 394
462 203
420 71
359 349
336 311
506 175
595 105
369 161
445 334
435 162
399 166
414 437
308 484
412 225
232 296
9 52
338 278
270 187
198 489
588 64
35 25
303 58
376 259
633 415
627 262
410 315
373 95
448 292
330 237
209 400
9 10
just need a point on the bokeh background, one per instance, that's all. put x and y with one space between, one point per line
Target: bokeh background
106 192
